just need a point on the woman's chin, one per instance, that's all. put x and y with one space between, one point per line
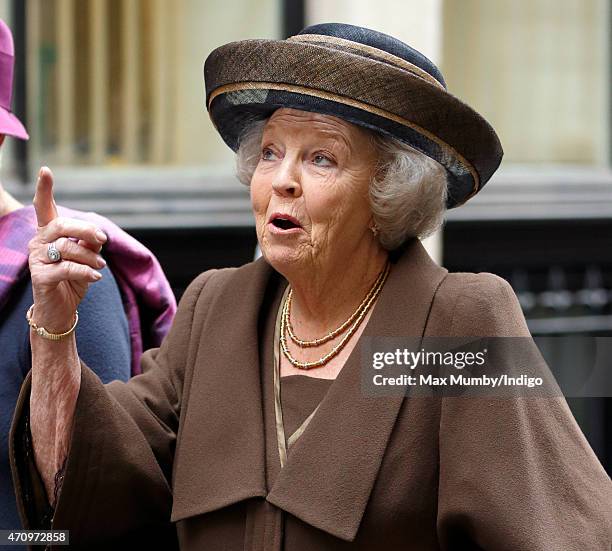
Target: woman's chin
282 257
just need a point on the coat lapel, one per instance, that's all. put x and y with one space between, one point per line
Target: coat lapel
332 468
220 457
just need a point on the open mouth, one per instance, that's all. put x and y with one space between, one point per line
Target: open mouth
284 222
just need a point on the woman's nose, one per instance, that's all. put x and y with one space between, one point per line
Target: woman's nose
286 181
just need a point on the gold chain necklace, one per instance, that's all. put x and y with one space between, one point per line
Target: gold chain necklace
318 342
380 281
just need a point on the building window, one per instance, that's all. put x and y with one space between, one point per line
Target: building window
538 70
119 82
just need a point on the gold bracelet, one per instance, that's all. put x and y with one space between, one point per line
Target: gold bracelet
42 332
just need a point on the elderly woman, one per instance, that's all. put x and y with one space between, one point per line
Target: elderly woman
249 428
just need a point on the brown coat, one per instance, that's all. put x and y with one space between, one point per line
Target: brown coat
192 439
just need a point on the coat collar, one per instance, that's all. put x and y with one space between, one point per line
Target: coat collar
347 435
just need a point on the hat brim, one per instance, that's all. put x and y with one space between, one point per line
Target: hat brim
11 125
252 78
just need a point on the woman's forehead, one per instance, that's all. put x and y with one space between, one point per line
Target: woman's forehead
295 119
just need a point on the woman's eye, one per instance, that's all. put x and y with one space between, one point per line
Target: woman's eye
322 160
267 154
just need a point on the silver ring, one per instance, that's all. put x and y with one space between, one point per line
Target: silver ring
53 254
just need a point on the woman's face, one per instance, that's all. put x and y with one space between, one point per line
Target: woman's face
309 191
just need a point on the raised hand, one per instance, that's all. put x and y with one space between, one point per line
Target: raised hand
59 286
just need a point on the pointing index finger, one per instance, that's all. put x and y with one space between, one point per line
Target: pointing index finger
44 203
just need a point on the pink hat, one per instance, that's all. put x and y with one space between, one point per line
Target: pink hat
9 123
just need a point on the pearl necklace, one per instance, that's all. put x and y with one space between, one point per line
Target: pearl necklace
352 324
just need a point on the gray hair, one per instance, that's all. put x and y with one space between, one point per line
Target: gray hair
407 193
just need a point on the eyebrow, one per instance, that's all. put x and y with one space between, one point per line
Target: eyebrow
342 139
331 135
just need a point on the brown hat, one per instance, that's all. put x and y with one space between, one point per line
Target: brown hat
363 76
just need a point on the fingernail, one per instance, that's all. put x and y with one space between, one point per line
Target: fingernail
97 275
101 236
101 262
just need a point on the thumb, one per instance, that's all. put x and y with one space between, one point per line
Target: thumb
44 203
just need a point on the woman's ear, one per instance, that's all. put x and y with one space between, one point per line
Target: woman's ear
374 227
